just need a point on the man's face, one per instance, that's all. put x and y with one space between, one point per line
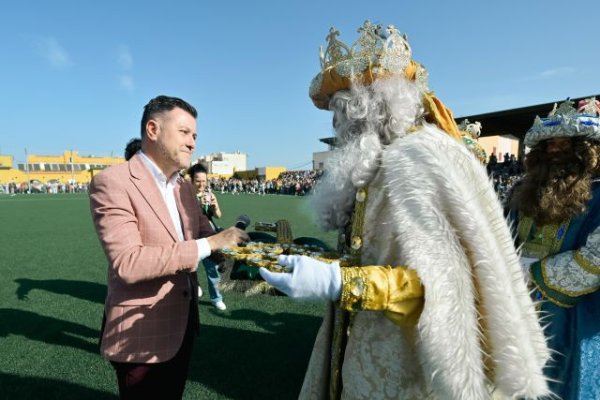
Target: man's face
558 149
200 181
176 138
557 185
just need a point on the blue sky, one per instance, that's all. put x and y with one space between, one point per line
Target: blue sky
76 74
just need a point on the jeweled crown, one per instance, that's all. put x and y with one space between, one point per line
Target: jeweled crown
373 46
567 121
473 128
375 54
470 132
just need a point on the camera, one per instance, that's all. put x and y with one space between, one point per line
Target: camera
207 198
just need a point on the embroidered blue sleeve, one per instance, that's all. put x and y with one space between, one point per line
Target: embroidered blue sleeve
564 277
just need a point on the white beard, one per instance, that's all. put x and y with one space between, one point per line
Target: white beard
350 167
356 162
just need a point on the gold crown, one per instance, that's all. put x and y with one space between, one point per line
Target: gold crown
470 132
376 54
472 128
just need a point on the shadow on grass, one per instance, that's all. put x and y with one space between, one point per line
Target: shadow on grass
90 291
46 329
30 387
242 364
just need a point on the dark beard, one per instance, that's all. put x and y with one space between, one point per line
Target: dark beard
556 188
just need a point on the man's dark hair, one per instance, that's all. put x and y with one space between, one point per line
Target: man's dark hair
162 104
196 168
132 147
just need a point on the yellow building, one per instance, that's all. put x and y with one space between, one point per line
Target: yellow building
267 173
6 162
270 173
67 167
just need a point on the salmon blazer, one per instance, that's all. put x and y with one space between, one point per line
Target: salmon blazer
151 273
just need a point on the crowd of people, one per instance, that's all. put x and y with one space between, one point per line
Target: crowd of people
504 174
297 183
52 187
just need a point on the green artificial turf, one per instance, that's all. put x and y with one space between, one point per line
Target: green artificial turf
51 299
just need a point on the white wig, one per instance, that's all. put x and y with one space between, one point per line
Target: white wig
365 119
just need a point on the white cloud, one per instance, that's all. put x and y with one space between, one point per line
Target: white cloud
52 51
126 82
552 73
125 62
124 58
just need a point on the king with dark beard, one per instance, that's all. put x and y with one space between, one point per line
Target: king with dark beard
558 184
556 211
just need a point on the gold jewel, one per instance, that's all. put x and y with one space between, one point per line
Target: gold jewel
356 242
357 287
361 195
353 288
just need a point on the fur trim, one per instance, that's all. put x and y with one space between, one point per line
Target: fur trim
478 323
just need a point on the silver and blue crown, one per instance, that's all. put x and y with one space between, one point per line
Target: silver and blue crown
566 121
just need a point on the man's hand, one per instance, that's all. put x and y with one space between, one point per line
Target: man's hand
310 279
227 238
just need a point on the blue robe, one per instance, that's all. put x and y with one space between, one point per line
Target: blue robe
567 278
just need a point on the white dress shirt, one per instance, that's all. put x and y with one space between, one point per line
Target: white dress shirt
167 190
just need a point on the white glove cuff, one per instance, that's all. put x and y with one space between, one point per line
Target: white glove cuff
336 282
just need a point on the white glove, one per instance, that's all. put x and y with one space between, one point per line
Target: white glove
309 279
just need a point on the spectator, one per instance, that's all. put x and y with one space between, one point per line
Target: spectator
132 147
210 208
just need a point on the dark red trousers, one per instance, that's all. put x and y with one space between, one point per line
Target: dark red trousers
157 381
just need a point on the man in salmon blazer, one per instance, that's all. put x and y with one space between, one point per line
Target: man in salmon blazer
153 234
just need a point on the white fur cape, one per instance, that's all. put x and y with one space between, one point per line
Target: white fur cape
453 233
479 328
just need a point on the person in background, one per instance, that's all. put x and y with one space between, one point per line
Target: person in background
132 147
556 211
211 209
470 132
153 235
428 300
